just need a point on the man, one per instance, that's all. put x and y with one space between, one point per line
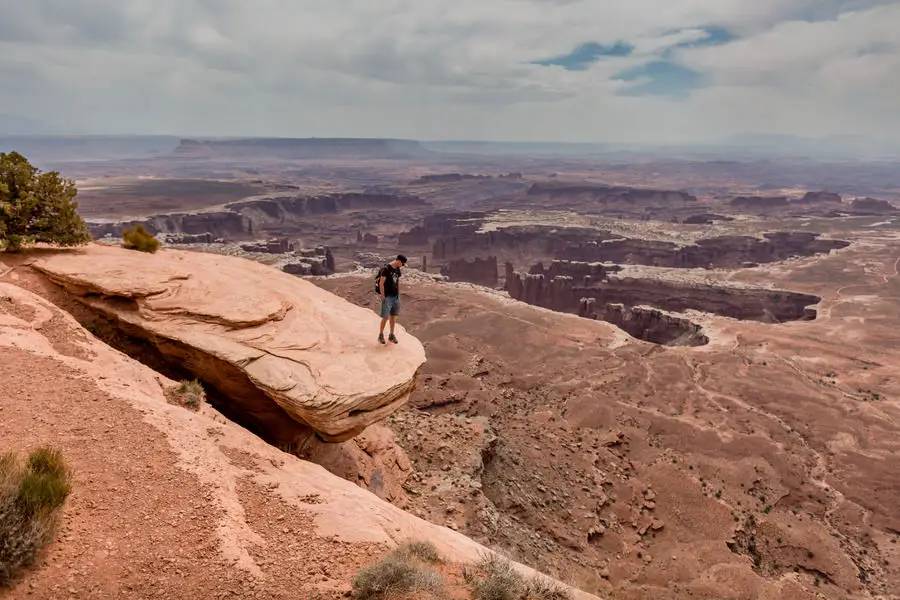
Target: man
389 286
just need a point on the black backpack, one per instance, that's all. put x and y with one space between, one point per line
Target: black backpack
378 280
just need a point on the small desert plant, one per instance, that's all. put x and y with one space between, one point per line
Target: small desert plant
138 238
401 573
31 496
424 551
495 578
189 394
544 589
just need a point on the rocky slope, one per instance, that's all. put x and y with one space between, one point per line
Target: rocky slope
760 466
172 503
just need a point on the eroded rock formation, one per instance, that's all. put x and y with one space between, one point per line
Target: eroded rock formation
625 197
760 202
218 224
727 251
873 206
646 323
542 239
417 236
287 356
705 219
191 238
271 246
251 217
368 238
286 208
482 271
566 294
819 198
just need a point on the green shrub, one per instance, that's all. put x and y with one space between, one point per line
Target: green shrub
31 496
37 207
401 573
138 238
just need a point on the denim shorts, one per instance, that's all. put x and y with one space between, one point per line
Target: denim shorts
390 306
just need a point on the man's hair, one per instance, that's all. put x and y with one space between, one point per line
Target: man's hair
401 258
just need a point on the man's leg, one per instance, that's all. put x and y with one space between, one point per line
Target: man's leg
383 323
395 310
384 319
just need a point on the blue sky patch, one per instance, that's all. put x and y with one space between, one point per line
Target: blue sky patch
585 55
661 78
715 36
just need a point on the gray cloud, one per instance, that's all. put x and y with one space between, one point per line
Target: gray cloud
437 69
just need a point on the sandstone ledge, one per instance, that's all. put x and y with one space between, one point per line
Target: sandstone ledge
271 342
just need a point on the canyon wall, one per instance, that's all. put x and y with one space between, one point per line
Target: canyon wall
760 202
481 271
251 217
541 239
625 197
819 198
217 224
727 251
565 293
646 323
873 206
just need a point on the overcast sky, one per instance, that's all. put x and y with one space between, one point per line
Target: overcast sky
560 70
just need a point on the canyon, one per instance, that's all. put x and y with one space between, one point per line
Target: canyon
615 295
607 369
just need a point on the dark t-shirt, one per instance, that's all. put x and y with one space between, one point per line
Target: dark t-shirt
391 281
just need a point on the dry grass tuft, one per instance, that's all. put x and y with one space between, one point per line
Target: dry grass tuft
405 572
544 589
189 394
32 493
424 551
495 578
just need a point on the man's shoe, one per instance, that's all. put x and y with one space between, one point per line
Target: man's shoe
393 338
381 337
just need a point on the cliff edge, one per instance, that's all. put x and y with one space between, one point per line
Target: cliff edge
288 356
173 503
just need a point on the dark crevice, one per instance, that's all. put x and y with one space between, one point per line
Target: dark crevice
228 390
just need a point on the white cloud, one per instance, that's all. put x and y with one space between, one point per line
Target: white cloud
440 69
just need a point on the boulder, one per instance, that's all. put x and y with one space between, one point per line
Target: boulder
288 356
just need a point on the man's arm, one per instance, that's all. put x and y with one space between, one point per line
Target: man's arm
381 285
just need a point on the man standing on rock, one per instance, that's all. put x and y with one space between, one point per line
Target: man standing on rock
389 287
